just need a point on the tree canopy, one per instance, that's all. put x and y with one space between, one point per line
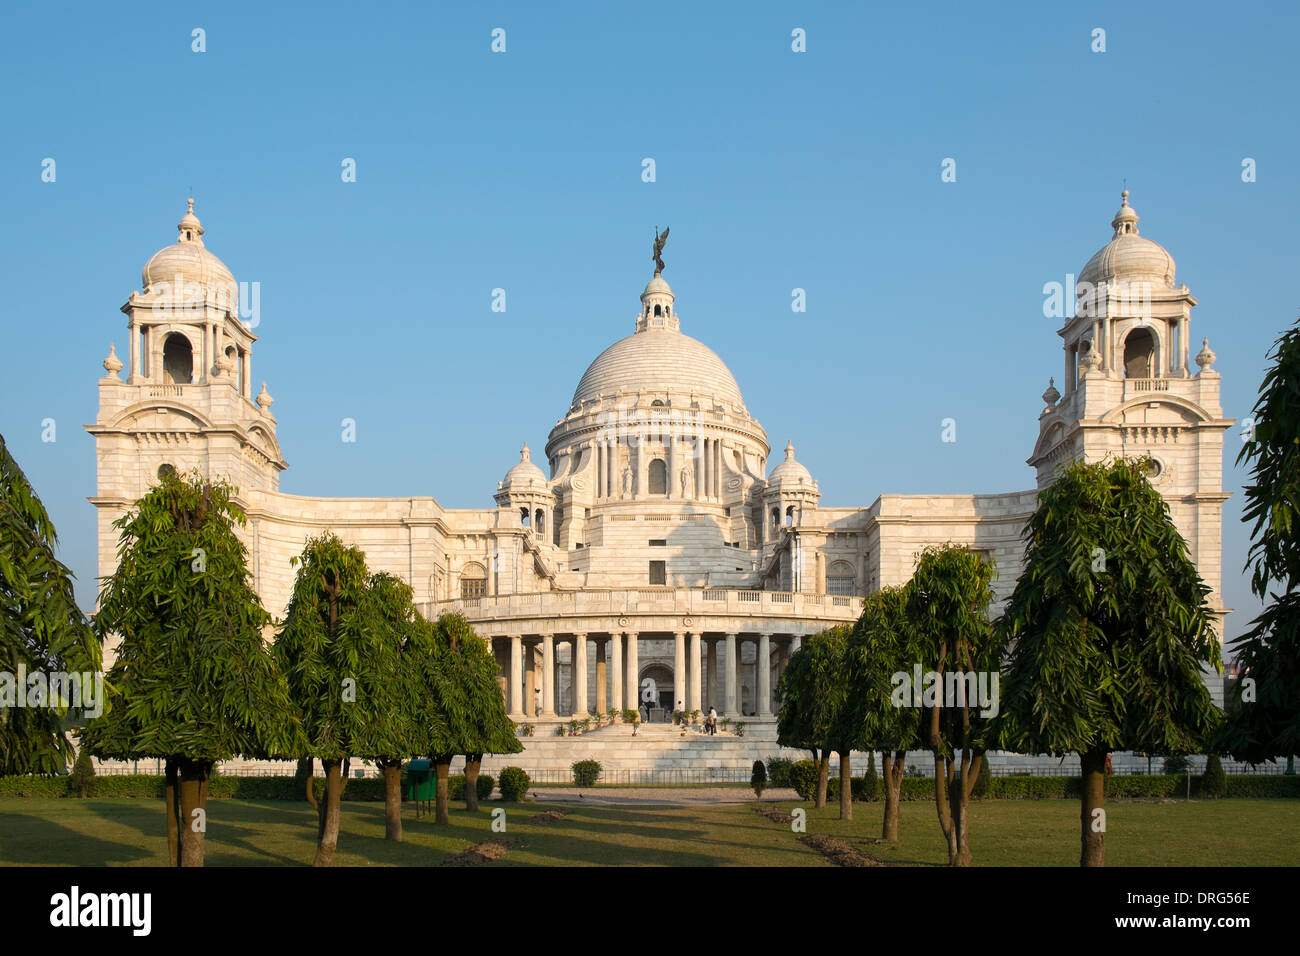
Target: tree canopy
41 627
1264 719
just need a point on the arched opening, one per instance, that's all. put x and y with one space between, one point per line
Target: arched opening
523 518
658 311
789 515
178 360
655 689
1139 354
840 578
473 581
539 521
776 517
658 477
166 469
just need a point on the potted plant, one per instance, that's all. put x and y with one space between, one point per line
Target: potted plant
573 728
633 717
695 716
740 729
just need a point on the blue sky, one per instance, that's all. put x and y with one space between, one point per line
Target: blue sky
522 170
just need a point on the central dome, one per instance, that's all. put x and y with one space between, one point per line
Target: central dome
659 360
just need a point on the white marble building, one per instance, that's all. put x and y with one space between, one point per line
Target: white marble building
651 542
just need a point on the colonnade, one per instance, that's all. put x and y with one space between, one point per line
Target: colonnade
531 669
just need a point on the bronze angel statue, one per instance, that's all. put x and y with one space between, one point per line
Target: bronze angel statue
657 255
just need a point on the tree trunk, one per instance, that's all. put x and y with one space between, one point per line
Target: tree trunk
329 813
442 801
893 775
943 805
307 768
1093 767
173 810
472 764
392 799
823 778
193 793
846 787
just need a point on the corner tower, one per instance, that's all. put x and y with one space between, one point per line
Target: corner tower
1129 392
186 401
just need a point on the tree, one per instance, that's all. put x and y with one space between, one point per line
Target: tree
1110 630
332 649
491 731
394 698
948 609
1263 702
810 691
845 731
42 630
462 710
193 682
882 645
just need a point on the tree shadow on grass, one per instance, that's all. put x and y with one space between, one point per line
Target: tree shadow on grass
36 839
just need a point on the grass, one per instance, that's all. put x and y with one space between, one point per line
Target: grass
124 832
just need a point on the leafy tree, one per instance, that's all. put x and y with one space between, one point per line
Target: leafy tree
758 778
1110 631
83 774
1264 714
810 691
193 682
463 712
394 698
1214 783
948 607
882 645
845 733
42 630
333 649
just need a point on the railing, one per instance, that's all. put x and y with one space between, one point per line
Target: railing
1148 384
683 601
165 391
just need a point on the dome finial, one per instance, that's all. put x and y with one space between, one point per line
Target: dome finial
1124 197
789 451
1126 220
524 453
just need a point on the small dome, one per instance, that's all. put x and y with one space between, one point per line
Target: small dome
789 471
187 261
525 472
1128 256
659 285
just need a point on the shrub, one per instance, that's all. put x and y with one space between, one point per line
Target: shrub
803 777
484 786
1176 764
513 783
738 728
858 786
586 772
778 771
631 716
758 778
871 782
1213 781
83 774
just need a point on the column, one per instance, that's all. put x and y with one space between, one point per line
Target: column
602 695
693 702
717 468
133 371
530 679
697 465
516 665
729 676
670 459
618 699
611 468
633 668
795 643
579 675
679 672
548 675
764 667
740 676
1182 343
710 686
708 467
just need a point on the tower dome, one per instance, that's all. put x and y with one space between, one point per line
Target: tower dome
790 472
189 269
524 473
1129 256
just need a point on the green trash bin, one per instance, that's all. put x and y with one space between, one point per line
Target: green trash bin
421 785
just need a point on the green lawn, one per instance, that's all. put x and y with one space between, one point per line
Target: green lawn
123 832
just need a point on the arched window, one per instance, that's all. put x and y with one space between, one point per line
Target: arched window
539 522
166 469
789 515
776 517
658 311
1139 353
523 517
840 578
658 477
473 581
178 360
